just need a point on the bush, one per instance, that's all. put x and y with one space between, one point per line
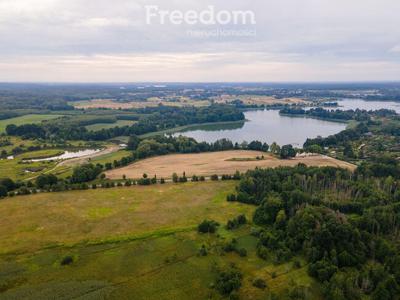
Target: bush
183 179
231 198
214 177
230 247
175 178
203 251
3 191
297 264
85 173
228 281
287 151
144 181
8 183
242 252
259 283
262 252
237 222
67 260
207 226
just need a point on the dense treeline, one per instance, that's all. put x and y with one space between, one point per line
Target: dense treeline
7 115
340 138
161 145
345 225
155 119
345 115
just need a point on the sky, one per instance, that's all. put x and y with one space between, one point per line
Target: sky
113 41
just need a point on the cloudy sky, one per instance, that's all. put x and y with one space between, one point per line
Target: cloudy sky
111 41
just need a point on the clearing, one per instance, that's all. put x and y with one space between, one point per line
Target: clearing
225 162
131 243
100 126
32 222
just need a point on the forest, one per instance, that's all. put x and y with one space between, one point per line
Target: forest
345 225
153 119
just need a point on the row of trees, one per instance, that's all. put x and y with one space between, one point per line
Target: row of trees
161 145
345 115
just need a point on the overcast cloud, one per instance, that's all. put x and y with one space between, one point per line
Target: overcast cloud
109 41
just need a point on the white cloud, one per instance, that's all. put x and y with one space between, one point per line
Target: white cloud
395 49
307 39
222 66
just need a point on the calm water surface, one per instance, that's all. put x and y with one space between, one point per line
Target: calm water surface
267 126
68 155
347 104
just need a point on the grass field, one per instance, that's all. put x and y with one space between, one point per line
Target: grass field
28 119
18 170
36 221
100 126
130 243
226 162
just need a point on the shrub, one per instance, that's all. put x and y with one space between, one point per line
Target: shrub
214 177
228 281
203 251
67 260
3 191
230 247
297 264
183 179
242 252
85 173
262 252
207 226
175 178
259 283
237 222
231 198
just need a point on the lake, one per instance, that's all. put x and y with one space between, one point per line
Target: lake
347 104
266 126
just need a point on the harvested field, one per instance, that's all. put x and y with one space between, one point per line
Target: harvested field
259 100
226 162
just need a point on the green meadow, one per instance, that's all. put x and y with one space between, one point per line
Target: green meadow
27 119
131 243
100 126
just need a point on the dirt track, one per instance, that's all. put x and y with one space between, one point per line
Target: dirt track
215 163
